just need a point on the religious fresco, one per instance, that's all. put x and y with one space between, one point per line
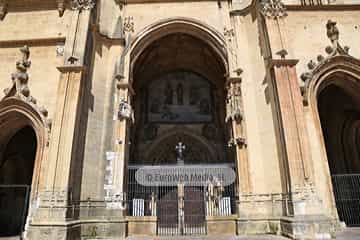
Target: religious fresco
179 97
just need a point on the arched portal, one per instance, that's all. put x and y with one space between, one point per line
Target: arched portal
339 110
179 79
17 158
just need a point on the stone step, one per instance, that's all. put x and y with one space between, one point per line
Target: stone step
255 237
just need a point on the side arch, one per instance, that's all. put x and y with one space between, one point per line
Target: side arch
15 113
343 72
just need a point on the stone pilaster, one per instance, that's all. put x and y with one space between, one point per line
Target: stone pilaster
304 215
54 212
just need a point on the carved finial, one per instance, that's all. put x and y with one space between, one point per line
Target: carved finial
311 65
20 77
72 59
128 24
273 9
82 4
238 71
282 53
3 9
332 31
320 58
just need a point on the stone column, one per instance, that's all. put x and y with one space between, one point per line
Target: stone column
122 143
304 214
54 210
294 135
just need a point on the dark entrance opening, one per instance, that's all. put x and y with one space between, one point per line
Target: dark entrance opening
179 80
17 157
340 120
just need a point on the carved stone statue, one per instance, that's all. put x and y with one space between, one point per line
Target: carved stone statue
215 191
234 103
332 31
125 110
20 77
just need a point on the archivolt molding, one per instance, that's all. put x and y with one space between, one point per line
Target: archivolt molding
338 59
160 29
184 132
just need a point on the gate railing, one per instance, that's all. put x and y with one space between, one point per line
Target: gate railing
13 208
347 197
165 203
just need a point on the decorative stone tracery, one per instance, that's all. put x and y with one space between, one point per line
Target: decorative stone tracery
20 89
332 51
273 9
82 4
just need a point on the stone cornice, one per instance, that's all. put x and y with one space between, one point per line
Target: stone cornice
283 62
32 42
334 7
71 68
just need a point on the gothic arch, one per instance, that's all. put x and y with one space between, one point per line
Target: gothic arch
16 113
182 132
342 72
321 77
149 34
325 75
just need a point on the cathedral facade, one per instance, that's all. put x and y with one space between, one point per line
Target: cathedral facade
93 91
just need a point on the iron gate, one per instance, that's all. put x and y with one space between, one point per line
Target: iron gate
179 210
13 209
347 197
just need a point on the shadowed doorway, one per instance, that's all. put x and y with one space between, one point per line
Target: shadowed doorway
17 157
339 112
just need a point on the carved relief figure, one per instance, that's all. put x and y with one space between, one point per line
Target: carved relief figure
180 94
168 94
194 95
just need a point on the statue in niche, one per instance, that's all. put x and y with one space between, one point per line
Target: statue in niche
194 95
204 106
168 94
155 106
180 94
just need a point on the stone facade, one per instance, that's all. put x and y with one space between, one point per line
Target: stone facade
274 58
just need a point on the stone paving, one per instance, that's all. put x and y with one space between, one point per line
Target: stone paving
346 234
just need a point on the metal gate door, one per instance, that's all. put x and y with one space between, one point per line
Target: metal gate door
181 211
347 197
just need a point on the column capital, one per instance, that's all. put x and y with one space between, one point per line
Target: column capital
71 68
283 62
